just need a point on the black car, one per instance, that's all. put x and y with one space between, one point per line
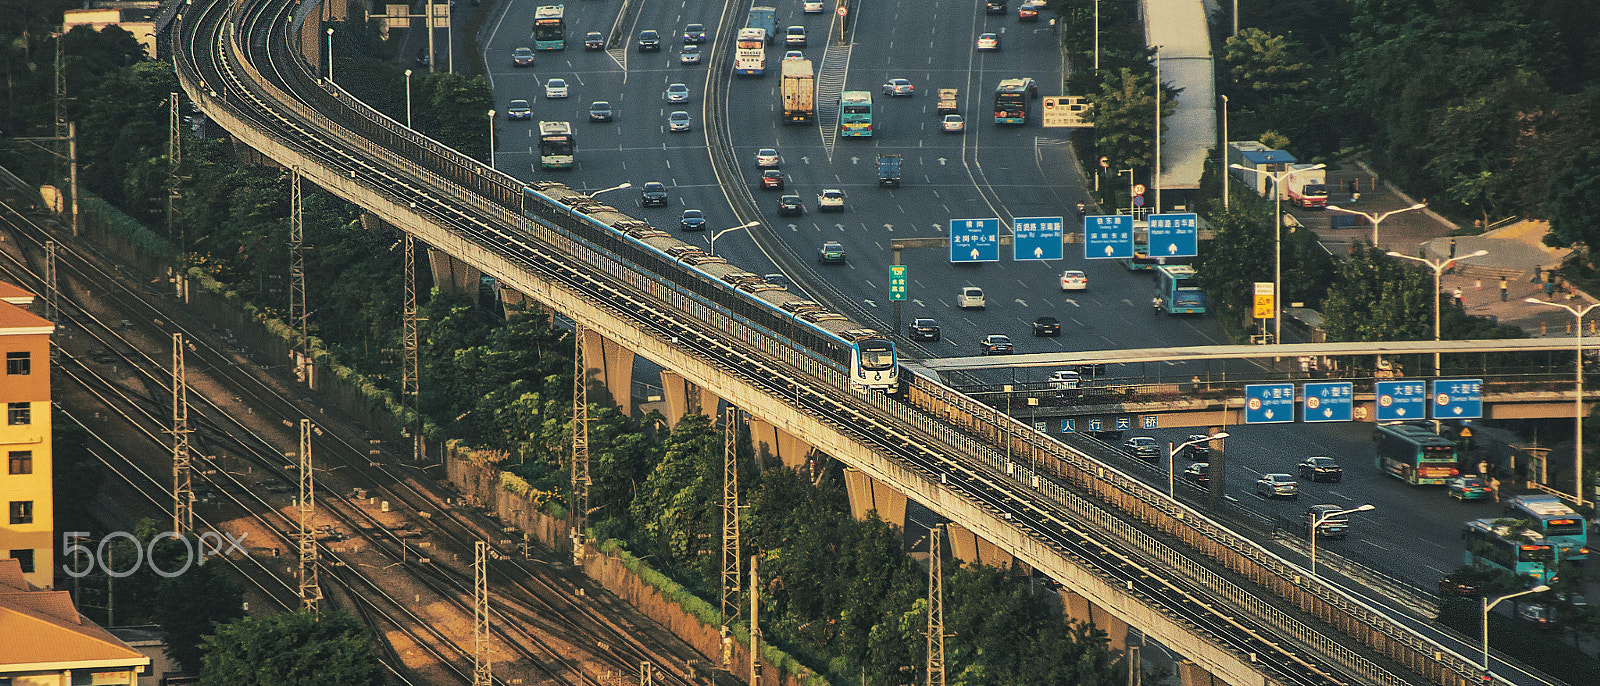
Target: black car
694 34
1197 452
594 41
1329 525
996 345
1198 474
1046 326
600 110
924 330
1321 469
649 41
790 206
654 194
1142 447
994 7
693 220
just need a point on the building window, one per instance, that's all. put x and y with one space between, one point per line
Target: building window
21 462
26 558
22 512
19 364
19 414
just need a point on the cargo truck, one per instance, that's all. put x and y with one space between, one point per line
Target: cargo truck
764 18
888 171
947 102
799 87
1306 187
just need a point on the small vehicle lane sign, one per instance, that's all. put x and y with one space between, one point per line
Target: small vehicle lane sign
897 282
1036 238
1328 402
1457 398
975 240
1174 235
1402 400
1108 237
1269 403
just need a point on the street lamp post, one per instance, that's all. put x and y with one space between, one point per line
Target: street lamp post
491 139
1487 606
330 54
1226 199
711 237
1277 241
1577 402
1319 521
1173 450
1438 274
408 98
1376 220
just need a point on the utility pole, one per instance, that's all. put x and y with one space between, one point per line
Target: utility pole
577 519
410 380
52 309
482 667
297 277
732 560
182 474
310 589
755 625
935 607
647 674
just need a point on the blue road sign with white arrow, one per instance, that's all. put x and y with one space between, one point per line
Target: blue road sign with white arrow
1328 402
1036 238
1269 403
1457 398
1402 400
1108 237
1174 235
975 240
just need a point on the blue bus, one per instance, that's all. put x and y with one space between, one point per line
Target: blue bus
1523 553
855 113
1011 102
1178 288
1547 515
550 28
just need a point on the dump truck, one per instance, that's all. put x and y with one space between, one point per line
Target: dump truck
888 171
799 88
947 102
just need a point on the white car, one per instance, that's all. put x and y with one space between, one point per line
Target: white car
971 298
953 123
679 121
812 6
555 88
677 92
1074 280
793 55
830 200
767 158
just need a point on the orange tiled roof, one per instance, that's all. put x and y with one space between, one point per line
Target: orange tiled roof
15 294
15 320
45 631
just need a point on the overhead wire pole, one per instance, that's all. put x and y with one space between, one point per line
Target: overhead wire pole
182 474
482 658
935 666
755 625
577 518
174 195
732 560
410 368
297 276
310 588
52 310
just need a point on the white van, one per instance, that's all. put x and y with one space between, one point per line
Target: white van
1065 380
971 298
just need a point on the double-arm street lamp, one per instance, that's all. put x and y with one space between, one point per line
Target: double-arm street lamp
1487 606
1277 241
1577 401
711 237
1319 520
1438 274
1173 450
1377 219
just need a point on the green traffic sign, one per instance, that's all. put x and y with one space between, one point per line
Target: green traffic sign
897 282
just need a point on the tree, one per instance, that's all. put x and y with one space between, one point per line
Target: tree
1123 115
1265 64
291 649
190 606
1573 203
678 508
1376 299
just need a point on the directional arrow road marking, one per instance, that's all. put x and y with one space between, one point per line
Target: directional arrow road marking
889 227
839 226
1072 302
869 302
918 302
941 161
1021 302
854 159
805 159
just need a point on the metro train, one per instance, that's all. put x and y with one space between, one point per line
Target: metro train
867 356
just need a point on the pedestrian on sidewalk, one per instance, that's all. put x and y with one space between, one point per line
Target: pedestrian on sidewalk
1494 487
1502 289
1549 290
1452 248
1536 278
1460 302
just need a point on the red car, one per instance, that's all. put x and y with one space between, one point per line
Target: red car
772 180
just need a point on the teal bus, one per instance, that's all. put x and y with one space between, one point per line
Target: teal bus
1179 290
1563 527
1414 454
855 113
1523 553
550 28
1141 260
1011 102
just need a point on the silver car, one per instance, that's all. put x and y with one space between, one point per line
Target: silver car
1277 486
679 121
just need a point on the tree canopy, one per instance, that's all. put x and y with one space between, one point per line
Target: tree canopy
291 649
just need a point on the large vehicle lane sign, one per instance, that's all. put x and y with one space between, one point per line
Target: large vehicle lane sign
1328 402
1108 237
897 282
1174 235
1457 398
1401 400
1269 403
1036 238
1064 111
975 240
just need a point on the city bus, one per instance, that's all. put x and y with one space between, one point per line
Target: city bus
550 28
1414 454
1546 514
750 53
1179 289
1522 553
1141 260
556 145
1011 102
855 113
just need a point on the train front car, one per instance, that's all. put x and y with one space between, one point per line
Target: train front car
873 365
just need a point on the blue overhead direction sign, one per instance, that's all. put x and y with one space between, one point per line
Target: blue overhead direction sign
1269 403
1174 235
1457 398
975 240
1108 237
1036 238
1328 402
1401 400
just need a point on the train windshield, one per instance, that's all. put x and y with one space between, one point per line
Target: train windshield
877 355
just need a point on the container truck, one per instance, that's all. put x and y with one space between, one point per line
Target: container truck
799 87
